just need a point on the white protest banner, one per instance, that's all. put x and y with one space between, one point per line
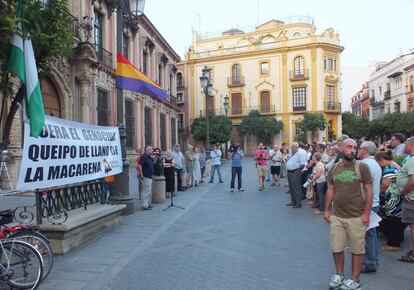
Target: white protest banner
68 152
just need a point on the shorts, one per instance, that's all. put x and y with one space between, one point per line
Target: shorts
275 170
407 212
261 170
347 229
189 170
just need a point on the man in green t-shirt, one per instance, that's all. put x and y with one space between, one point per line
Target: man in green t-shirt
350 194
405 184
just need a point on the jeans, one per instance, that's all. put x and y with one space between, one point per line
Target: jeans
234 171
320 191
213 169
371 247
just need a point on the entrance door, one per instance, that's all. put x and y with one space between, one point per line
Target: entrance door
50 98
236 104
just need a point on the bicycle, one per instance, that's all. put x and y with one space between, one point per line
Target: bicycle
30 234
21 265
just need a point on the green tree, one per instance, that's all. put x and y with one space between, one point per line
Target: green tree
219 129
312 122
264 128
48 23
353 126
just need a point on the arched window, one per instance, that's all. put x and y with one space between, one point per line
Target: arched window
299 66
236 74
296 35
180 83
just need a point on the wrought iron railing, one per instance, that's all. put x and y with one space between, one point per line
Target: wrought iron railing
235 81
173 99
295 75
387 95
104 56
54 204
332 106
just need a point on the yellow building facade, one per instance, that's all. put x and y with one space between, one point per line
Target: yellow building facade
282 68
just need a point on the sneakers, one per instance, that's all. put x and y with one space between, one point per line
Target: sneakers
241 189
336 282
350 284
231 190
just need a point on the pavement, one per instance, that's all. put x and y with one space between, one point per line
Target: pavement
222 240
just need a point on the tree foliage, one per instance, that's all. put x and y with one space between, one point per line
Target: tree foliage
48 23
219 129
391 123
312 122
353 126
264 128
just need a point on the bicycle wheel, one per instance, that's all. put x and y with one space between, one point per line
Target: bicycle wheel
41 243
23 264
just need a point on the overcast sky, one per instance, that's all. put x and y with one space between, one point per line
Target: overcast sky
370 30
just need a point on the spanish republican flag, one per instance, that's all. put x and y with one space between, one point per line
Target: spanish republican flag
131 79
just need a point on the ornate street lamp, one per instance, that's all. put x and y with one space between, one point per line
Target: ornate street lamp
137 7
207 87
226 104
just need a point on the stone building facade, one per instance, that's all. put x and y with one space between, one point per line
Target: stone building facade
83 88
282 68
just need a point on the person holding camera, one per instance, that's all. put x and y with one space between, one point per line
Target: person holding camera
261 156
237 156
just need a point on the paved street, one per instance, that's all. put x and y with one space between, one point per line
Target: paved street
222 240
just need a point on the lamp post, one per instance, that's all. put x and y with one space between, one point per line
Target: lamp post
226 104
120 193
207 87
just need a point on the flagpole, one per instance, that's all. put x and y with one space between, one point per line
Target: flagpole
120 193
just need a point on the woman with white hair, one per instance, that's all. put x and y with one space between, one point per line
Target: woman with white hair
196 166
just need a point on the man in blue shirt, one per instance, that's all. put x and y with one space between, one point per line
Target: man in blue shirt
236 166
366 153
296 162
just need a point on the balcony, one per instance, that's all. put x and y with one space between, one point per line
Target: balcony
299 76
299 109
180 85
332 107
104 56
173 100
235 82
240 112
387 95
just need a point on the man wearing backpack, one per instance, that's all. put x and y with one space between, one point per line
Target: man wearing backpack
366 153
350 190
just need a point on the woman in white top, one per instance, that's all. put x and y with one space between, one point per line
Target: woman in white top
318 177
196 166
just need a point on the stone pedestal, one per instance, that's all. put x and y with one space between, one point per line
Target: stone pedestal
158 189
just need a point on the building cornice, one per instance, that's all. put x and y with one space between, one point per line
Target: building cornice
247 54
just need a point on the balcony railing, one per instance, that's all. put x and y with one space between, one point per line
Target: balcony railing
332 106
180 85
298 76
238 112
104 56
387 95
299 108
235 81
173 100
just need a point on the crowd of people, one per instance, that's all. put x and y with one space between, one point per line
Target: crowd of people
348 182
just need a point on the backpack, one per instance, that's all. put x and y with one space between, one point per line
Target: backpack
357 171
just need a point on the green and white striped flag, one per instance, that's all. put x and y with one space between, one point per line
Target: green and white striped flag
22 63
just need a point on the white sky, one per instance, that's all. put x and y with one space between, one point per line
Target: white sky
370 30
